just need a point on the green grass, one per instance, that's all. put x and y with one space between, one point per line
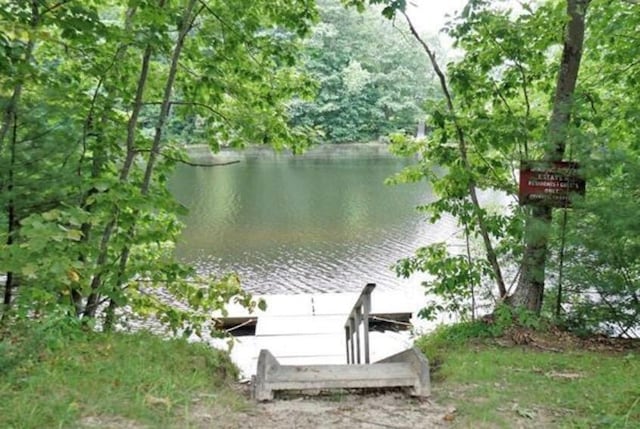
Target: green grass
71 378
495 386
52 376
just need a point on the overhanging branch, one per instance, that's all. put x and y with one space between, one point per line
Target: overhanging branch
462 148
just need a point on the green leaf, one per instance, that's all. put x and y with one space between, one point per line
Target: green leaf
29 270
74 234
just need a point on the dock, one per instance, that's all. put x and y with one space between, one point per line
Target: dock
408 368
309 329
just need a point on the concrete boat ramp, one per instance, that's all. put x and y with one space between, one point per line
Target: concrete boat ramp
299 342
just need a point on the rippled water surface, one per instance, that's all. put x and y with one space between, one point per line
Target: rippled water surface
303 225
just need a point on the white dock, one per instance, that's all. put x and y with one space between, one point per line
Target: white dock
309 329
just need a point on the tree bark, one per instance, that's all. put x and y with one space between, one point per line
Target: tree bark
530 290
11 216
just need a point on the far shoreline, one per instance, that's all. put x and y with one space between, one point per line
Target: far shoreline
203 154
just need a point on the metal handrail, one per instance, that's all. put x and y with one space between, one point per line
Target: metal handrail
359 315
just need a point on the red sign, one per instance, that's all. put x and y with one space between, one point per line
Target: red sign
549 183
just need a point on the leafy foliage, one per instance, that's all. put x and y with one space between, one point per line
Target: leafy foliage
371 78
453 277
500 107
497 114
95 99
602 276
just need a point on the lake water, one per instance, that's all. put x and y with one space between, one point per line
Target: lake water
299 225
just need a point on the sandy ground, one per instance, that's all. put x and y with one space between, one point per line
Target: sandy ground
383 411
341 410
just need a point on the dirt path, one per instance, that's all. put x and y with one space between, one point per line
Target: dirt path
391 409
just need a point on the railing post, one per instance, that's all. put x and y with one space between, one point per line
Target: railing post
352 328
347 336
359 314
367 309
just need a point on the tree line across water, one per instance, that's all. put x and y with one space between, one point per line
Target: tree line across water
98 98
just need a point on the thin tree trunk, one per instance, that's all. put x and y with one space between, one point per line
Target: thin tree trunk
530 290
166 100
9 118
492 258
96 281
99 155
11 216
10 111
185 27
12 106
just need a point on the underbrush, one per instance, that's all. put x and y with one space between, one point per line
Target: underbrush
55 374
506 375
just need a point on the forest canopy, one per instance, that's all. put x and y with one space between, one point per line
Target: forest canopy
372 79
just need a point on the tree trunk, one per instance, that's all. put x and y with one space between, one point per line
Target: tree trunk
99 157
12 106
9 119
11 215
185 27
530 290
96 281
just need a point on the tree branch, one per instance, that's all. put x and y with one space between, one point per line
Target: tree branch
55 6
190 103
190 163
462 147
230 27
525 92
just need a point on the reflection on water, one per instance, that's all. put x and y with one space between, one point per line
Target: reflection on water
303 225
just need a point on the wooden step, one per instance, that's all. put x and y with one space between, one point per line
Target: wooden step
342 376
409 368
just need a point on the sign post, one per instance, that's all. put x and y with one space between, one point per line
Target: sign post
549 183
